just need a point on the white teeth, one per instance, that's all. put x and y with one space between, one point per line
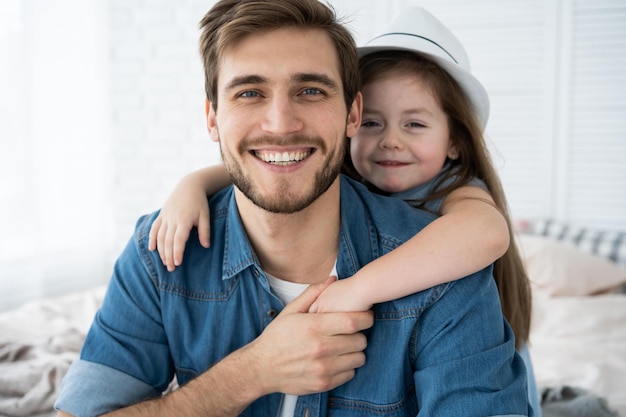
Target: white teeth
282 158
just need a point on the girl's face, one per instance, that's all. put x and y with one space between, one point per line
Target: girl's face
404 139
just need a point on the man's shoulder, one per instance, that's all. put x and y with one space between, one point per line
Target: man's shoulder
192 275
373 225
454 292
218 204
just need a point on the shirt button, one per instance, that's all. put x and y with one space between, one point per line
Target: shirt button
306 412
256 273
272 313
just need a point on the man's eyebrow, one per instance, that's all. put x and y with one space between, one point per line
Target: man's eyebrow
298 78
244 80
317 78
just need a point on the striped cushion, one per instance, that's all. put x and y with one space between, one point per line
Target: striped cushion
608 244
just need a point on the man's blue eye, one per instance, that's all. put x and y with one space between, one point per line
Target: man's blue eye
310 91
249 94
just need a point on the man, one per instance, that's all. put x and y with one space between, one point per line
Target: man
282 96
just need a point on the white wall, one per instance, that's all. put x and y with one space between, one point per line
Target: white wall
556 75
157 92
554 70
102 112
55 148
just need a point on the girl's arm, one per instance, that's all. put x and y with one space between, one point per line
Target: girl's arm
186 207
470 234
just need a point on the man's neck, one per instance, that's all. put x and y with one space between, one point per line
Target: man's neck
300 247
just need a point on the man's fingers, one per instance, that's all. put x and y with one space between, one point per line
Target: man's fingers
346 323
303 302
324 376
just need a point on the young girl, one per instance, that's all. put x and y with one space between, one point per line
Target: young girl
420 140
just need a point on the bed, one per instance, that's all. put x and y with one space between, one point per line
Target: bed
578 333
578 336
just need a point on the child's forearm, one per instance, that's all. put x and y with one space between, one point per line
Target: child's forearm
212 178
451 247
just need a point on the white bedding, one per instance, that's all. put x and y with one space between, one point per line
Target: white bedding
581 342
38 342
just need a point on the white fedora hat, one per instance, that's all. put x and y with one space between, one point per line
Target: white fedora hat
417 30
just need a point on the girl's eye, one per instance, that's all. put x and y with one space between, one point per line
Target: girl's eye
370 123
415 124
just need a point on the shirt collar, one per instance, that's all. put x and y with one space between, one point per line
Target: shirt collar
238 253
358 241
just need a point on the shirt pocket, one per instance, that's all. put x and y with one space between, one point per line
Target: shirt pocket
344 407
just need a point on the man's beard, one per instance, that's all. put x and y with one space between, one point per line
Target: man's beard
281 201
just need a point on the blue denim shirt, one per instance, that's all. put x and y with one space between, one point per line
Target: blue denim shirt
416 196
445 351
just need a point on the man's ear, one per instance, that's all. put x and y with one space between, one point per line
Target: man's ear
354 116
211 122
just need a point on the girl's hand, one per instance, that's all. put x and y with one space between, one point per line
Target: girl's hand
185 208
341 296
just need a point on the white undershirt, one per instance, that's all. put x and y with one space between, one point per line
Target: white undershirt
287 291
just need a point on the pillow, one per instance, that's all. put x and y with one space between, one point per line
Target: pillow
610 244
561 269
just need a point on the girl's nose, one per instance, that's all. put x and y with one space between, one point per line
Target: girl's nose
390 141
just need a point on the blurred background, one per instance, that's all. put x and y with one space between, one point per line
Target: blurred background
102 112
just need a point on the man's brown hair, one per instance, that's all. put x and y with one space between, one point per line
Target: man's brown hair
230 20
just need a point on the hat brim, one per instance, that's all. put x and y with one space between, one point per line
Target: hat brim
471 86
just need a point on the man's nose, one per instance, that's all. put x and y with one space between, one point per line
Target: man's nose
282 117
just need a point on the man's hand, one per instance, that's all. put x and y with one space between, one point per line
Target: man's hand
301 353
298 353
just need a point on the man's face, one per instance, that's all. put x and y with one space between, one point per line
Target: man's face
281 120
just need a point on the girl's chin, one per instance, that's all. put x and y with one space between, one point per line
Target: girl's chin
391 187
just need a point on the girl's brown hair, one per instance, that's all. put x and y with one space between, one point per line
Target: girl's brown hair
474 161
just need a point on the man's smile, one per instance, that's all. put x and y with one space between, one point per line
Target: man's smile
283 158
